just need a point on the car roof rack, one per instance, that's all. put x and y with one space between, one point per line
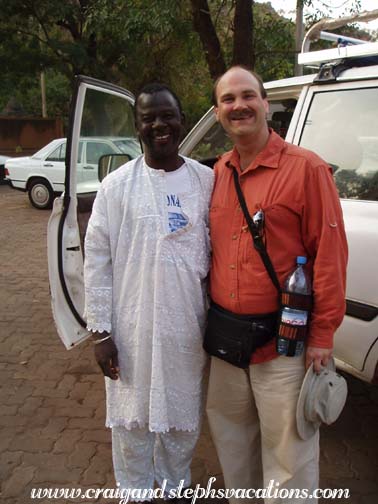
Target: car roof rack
350 52
314 32
343 52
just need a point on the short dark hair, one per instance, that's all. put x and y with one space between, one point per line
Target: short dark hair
254 74
157 87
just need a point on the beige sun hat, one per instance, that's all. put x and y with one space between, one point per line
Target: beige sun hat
321 399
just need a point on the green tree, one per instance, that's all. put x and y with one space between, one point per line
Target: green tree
244 32
131 42
274 40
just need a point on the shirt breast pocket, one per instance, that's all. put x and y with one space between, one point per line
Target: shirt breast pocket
282 231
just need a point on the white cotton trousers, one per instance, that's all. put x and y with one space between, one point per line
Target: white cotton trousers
252 416
141 457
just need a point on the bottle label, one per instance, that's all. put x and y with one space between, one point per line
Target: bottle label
297 301
294 317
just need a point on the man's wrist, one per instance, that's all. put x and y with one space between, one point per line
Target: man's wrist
105 338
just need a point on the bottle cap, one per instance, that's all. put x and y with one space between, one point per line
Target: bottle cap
301 260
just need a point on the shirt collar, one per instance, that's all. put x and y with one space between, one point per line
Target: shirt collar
269 157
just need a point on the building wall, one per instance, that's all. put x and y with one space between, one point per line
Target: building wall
23 136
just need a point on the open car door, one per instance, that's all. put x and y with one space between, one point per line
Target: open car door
101 123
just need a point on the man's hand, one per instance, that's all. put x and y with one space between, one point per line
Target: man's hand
319 356
106 354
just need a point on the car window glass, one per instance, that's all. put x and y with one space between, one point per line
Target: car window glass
97 149
212 144
216 141
129 146
342 127
55 155
79 154
280 114
62 155
42 153
59 154
107 119
107 127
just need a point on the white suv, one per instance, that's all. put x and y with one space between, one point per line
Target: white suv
334 113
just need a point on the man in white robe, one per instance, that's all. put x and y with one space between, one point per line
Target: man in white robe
146 262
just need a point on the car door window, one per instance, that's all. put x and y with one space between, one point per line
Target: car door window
102 113
212 144
342 127
62 153
97 149
106 119
80 152
58 154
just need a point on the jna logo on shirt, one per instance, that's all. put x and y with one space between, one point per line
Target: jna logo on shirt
173 200
176 220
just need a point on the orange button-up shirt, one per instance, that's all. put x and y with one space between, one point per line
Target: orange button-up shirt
303 217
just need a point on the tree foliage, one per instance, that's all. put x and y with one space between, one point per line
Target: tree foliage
126 42
274 43
185 44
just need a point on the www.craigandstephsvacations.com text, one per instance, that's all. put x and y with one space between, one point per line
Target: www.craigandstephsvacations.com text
124 495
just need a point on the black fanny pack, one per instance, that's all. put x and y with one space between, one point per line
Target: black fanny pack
233 338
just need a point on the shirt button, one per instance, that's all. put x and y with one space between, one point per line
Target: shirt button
232 295
245 229
234 237
232 266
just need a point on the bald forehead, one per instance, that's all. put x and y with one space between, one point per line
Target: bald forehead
236 80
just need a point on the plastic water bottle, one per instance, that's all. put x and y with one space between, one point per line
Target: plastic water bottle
296 305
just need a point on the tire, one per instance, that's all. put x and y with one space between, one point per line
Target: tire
40 193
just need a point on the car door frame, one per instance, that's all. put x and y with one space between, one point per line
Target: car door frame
65 254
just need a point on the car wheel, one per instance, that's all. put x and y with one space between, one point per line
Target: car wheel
40 193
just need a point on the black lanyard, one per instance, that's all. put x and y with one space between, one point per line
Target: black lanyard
258 241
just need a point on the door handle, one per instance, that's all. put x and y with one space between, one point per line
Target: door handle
88 167
48 165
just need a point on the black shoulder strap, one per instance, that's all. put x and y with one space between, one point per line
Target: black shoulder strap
256 236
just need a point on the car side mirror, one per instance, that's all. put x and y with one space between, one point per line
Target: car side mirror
110 162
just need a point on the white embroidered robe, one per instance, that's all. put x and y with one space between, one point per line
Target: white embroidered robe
146 286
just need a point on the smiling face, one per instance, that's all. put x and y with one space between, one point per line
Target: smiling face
240 108
159 123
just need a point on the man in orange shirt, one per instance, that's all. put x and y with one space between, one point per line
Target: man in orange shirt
252 413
